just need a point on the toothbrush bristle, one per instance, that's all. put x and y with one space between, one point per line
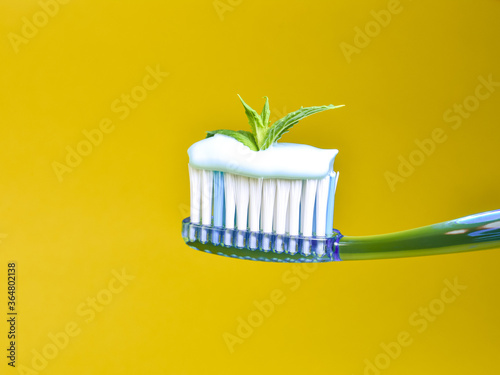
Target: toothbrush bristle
263 213
307 206
282 202
195 185
230 199
242 199
207 178
267 208
255 204
321 205
294 207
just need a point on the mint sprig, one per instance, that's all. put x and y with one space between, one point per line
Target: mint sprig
284 124
241 135
263 134
259 130
266 113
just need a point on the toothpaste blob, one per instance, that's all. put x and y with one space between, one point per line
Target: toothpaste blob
281 160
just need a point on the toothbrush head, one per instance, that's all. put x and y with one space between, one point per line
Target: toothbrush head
268 247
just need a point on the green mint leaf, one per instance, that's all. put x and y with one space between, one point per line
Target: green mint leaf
284 124
243 136
259 130
266 113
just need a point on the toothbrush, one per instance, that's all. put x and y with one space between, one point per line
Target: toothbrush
253 198
474 232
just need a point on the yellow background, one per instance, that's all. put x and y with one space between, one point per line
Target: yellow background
122 206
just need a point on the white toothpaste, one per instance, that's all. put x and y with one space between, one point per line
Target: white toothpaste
281 160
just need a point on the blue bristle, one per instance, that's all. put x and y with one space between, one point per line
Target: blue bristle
218 210
218 199
330 205
314 216
300 216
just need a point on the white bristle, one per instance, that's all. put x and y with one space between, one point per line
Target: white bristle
282 199
267 210
293 219
207 179
230 199
242 198
255 203
280 215
195 194
294 207
307 212
321 205
307 206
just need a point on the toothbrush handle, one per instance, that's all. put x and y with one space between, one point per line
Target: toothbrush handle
470 233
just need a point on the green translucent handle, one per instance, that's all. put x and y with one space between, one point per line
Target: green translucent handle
470 233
